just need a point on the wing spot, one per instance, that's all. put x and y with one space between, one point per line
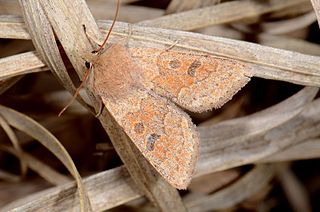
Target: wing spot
193 68
151 140
139 128
175 63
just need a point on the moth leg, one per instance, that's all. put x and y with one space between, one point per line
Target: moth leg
91 87
169 48
129 35
125 40
100 107
172 45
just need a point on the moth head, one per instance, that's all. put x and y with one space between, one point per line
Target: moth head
89 59
87 64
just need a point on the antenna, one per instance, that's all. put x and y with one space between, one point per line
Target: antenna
110 30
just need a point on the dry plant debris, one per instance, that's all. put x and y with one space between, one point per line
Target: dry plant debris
257 152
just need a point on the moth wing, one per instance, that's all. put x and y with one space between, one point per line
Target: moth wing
162 132
195 82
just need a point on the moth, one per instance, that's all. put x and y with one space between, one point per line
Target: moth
145 88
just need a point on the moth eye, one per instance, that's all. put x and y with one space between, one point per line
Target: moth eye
151 140
87 64
175 63
193 68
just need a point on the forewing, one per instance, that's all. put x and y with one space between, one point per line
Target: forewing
195 82
162 132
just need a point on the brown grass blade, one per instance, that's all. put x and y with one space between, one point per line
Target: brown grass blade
20 64
44 40
6 176
15 143
247 186
12 27
119 181
106 189
35 130
316 7
176 6
284 26
264 62
256 136
307 149
294 190
39 167
220 14
8 83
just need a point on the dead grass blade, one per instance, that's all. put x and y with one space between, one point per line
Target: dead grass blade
291 44
12 27
14 140
244 188
6 176
114 187
181 5
294 190
129 13
275 41
284 26
316 7
39 167
264 62
212 182
220 14
307 149
8 83
257 136
99 9
44 40
106 189
32 128
20 64
118 183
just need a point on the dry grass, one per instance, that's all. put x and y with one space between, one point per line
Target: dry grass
273 123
